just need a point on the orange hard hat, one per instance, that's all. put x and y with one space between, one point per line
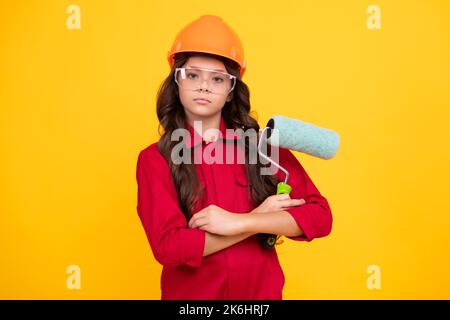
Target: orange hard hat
209 34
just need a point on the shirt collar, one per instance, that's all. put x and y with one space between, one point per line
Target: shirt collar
195 138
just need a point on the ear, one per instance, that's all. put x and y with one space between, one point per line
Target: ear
230 97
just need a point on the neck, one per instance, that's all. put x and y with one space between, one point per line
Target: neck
211 122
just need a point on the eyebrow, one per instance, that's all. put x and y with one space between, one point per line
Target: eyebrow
220 70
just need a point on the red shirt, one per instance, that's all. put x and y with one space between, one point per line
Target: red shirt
244 270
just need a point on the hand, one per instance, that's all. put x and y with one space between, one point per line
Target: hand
278 202
218 221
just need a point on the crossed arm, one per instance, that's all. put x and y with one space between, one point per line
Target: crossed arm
223 228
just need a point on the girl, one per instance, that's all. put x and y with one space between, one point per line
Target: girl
203 218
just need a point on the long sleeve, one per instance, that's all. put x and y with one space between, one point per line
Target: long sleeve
170 239
314 217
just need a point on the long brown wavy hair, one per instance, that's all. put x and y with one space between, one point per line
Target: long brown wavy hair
236 114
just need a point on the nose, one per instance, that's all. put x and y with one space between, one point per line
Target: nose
204 85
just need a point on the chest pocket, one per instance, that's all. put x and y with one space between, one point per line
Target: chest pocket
243 200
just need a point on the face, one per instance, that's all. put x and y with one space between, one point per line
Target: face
202 103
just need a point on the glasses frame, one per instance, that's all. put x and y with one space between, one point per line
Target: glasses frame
183 73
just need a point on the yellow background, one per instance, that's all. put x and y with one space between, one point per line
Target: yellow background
76 107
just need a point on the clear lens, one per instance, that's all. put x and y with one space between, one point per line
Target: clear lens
194 79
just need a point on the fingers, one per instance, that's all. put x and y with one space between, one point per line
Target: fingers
202 215
286 196
292 202
289 204
283 196
296 202
197 222
198 215
192 221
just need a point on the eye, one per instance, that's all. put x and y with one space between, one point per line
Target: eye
218 79
191 75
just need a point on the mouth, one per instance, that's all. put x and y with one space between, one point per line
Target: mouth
202 100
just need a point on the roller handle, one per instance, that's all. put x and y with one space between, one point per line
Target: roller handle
269 240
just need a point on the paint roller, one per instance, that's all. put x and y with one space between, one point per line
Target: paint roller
295 135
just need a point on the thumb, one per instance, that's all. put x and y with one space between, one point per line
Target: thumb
283 196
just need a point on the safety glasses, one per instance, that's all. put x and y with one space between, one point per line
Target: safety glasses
193 79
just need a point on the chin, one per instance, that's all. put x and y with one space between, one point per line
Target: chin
202 111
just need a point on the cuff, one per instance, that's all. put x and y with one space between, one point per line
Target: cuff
302 215
192 245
